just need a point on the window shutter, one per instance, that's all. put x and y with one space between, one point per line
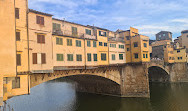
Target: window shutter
17 36
18 59
42 20
38 19
17 13
43 56
34 58
42 39
38 38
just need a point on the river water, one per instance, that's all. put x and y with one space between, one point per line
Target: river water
60 95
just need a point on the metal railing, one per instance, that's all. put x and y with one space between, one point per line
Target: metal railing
74 34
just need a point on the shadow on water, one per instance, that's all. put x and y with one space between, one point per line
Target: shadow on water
60 95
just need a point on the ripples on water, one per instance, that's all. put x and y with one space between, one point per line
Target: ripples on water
60 95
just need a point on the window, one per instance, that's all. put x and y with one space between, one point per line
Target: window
74 31
120 56
128 49
144 55
17 13
16 83
178 51
40 20
127 37
17 36
59 41
145 44
88 31
103 56
164 34
88 43
40 38
60 57
39 58
69 42
56 27
102 33
179 58
78 43
105 44
121 46
18 59
89 57
113 57
94 44
79 57
159 36
136 55
100 43
69 57
135 44
113 45
95 57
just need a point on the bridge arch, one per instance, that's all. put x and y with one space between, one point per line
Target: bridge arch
158 73
92 81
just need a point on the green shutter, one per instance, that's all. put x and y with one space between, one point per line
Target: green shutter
113 57
88 57
94 44
120 56
88 43
60 57
95 57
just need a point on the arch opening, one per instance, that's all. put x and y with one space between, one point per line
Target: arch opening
95 84
158 74
84 83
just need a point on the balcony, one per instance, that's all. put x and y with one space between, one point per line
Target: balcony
73 34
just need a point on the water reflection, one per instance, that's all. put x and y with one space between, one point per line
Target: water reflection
60 95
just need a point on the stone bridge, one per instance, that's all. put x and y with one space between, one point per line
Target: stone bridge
125 80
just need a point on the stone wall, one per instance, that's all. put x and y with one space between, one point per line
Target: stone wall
178 72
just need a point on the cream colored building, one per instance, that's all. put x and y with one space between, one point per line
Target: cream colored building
74 45
116 48
40 42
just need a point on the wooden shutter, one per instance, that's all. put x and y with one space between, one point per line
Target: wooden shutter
17 36
18 59
38 38
43 56
42 39
17 13
34 58
42 20
38 19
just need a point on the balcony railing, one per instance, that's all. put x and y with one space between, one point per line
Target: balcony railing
118 39
74 34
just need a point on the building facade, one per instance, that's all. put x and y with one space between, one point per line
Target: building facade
164 35
40 42
74 45
116 49
137 46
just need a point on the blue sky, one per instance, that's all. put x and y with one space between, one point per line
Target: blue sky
149 16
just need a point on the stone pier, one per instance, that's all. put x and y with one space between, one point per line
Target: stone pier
135 81
1 90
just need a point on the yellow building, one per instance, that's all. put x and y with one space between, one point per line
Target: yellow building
16 86
137 46
40 42
8 38
179 53
21 35
102 45
116 48
74 45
